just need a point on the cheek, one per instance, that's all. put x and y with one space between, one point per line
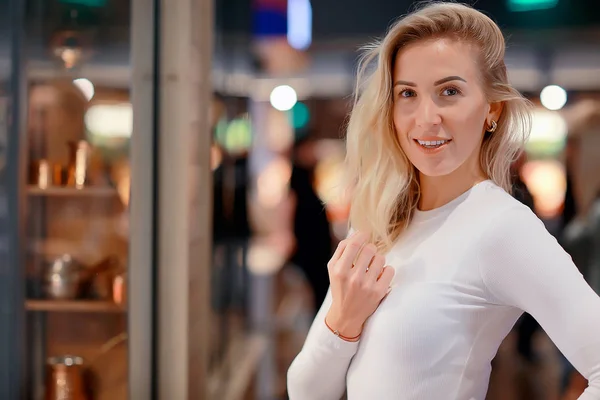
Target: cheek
467 125
473 128
402 126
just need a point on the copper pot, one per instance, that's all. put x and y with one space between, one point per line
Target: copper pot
64 378
63 277
101 278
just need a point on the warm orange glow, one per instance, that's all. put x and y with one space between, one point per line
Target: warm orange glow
216 157
329 180
272 182
279 132
547 183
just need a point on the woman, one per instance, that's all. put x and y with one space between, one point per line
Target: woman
442 260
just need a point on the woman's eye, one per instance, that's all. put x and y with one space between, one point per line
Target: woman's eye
451 91
407 93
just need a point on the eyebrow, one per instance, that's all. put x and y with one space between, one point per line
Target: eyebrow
436 83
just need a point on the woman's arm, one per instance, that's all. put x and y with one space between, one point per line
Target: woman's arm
523 266
319 370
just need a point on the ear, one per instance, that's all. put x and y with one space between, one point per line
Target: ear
495 112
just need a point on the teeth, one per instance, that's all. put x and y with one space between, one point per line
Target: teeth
432 143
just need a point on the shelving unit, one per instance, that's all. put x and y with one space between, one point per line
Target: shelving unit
87 306
63 191
81 223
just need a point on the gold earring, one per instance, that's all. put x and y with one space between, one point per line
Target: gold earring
493 127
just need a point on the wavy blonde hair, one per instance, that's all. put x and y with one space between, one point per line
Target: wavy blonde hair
381 181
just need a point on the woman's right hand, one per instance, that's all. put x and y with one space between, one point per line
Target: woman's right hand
359 281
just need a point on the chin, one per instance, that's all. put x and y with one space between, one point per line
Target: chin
434 170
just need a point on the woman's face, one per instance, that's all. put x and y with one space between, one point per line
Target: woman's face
440 108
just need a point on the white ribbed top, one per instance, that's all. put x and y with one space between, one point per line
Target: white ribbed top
465 272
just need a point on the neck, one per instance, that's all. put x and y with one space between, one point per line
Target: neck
439 190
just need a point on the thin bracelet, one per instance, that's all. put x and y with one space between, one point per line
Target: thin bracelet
338 334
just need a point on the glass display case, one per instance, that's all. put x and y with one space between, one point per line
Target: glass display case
76 229
89 272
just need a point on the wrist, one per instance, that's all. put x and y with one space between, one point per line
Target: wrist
343 327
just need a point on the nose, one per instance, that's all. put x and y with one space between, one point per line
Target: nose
428 114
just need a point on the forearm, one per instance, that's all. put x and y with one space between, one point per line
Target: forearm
319 370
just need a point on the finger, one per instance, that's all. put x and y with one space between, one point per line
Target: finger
386 278
364 258
351 251
338 252
376 268
340 249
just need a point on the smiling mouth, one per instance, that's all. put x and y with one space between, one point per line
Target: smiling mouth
432 144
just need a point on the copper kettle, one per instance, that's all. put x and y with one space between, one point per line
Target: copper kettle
65 378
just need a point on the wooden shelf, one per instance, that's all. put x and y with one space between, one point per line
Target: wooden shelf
64 191
85 306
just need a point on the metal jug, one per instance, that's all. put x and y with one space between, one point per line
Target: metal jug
64 378
62 278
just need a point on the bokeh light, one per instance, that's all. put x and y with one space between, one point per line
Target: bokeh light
86 87
283 98
553 97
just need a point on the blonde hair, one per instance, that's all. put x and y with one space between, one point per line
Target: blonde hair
381 182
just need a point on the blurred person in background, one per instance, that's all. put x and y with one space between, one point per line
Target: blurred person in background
312 232
442 260
527 325
581 240
519 188
231 236
231 228
569 210
580 234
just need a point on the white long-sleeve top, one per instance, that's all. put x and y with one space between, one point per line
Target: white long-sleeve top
465 272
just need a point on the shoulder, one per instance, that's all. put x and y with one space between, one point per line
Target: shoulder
517 256
510 215
513 227
497 212
498 199
509 227
514 238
